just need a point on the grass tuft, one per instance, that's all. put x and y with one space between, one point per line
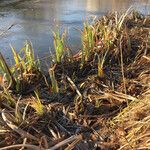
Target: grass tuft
59 45
87 36
37 105
24 70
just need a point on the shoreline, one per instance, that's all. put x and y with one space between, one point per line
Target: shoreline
95 99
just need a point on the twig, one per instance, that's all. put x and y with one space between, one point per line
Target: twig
74 86
122 66
32 147
147 58
66 141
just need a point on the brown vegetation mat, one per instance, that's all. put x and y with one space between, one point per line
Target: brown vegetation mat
94 112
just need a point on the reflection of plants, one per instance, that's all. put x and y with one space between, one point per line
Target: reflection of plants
24 70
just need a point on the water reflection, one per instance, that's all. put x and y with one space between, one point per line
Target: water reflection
117 5
34 19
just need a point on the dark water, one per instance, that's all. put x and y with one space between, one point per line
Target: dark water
34 20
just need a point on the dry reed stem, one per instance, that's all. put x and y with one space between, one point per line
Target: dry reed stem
66 141
23 133
74 86
31 147
147 58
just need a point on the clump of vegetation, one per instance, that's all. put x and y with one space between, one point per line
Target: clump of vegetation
59 45
98 100
37 105
24 73
87 36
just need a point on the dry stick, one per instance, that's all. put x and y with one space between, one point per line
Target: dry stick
4 131
70 139
147 58
120 96
122 68
16 129
75 87
32 147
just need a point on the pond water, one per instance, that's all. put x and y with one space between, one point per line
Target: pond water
34 20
